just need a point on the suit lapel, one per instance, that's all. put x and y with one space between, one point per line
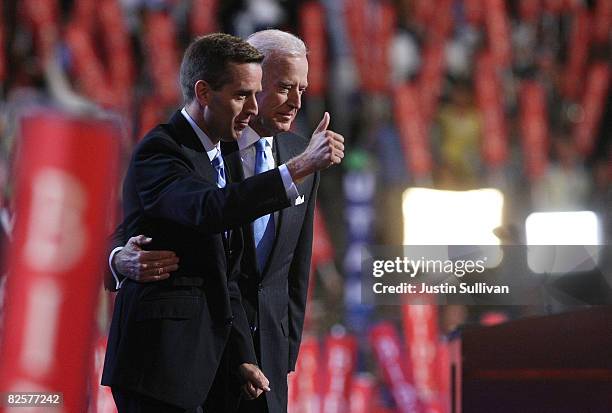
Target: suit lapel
192 147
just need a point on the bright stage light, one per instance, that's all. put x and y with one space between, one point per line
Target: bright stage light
435 217
562 228
562 242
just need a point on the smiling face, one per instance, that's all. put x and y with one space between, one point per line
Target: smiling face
229 109
285 78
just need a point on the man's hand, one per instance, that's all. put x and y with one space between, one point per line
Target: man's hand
326 148
144 266
255 381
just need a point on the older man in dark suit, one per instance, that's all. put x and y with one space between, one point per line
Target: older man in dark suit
167 339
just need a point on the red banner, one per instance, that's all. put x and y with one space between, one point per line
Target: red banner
304 391
602 21
424 12
578 51
160 41
489 97
444 373
371 29
101 396
386 346
534 128
117 45
2 49
597 84
312 23
356 24
84 12
413 132
430 80
498 32
421 331
555 6
43 16
322 248
66 179
340 359
87 67
203 17
362 394
474 11
383 28
530 10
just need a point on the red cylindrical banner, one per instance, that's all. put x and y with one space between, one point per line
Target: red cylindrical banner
430 80
84 12
160 40
340 358
424 12
386 347
66 179
382 30
597 84
203 17
530 10
305 391
421 331
412 129
87 66
312 23
117 45
498 32
362 394
101 396
578 51
444 373
489 97
322 248
2 49
534 129
441 26
356 23
602 21
554 6
474 11
43 16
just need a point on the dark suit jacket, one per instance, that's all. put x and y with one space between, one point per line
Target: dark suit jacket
167 338
275 300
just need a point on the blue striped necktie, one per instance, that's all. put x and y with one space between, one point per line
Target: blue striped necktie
263 227
217 163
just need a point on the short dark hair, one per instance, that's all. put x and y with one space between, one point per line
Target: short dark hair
207 58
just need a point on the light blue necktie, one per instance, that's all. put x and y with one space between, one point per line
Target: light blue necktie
263 227
217 162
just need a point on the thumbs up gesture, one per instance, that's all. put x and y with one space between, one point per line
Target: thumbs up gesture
326 148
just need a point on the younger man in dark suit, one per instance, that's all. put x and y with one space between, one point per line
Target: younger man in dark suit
167 339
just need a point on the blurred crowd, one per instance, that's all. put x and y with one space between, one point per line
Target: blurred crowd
468 60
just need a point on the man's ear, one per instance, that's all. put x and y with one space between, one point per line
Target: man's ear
202 92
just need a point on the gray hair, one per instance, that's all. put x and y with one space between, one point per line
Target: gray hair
277 42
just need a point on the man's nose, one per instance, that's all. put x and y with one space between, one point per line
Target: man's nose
295 99
250 106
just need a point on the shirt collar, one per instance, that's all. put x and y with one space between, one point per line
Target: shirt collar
248 137
211 150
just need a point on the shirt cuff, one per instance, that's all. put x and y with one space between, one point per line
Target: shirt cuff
116 276
290 188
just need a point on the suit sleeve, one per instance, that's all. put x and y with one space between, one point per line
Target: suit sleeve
117 239
240 341
299 272
169 189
